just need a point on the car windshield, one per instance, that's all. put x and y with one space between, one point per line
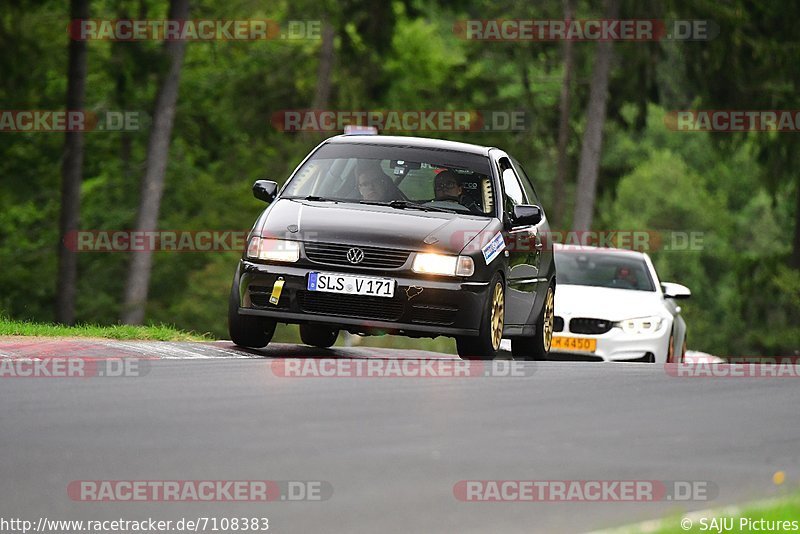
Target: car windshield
402 177
603 269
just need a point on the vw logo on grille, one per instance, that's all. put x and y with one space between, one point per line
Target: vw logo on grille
355 255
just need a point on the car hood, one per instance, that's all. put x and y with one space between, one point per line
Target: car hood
607 303
360 224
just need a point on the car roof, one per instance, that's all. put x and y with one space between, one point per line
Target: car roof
557 247
412 142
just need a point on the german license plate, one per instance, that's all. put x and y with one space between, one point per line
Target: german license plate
351 285
580 344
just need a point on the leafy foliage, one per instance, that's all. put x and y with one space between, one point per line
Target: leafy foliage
737 191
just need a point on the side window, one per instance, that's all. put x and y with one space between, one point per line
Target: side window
527 185
513 194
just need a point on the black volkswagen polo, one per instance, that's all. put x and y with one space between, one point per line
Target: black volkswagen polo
399 235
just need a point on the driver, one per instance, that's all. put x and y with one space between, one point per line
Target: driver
372 182
626 276
448 186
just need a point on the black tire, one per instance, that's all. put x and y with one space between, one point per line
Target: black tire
670 349
485 345
247 330
537 347
318 336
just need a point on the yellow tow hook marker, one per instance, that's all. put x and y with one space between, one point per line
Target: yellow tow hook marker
276 291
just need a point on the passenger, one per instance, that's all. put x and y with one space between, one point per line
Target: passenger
449 186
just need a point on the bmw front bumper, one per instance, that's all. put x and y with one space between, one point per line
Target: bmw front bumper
618 345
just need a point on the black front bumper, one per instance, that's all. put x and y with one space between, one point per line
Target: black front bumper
420 306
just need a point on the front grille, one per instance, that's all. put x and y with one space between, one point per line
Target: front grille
558 324
433 314
359 306
583 325
374 257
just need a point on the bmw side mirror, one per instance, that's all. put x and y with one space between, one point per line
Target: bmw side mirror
526 215
265 190
675 291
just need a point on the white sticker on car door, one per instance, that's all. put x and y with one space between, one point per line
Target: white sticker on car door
493 248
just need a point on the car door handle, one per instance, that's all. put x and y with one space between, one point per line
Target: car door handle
537 243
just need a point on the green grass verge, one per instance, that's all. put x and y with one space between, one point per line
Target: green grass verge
785 508
284 334
10 327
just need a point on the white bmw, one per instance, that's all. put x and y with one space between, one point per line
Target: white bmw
610 306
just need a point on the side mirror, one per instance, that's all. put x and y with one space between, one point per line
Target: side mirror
675 291
526 215
265 190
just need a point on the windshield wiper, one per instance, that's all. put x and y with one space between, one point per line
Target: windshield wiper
319 199
404 204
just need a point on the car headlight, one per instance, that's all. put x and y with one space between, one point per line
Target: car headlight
430 263
641 325
261 248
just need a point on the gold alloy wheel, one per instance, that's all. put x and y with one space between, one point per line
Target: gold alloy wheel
549 318
498 309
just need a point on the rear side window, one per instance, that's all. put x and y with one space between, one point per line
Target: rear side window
527 185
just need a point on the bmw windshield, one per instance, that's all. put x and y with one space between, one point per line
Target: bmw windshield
604 269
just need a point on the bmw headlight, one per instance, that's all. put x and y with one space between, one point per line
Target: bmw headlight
261 248
430 263
641 325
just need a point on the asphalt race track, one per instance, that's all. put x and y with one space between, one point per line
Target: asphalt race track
391 449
